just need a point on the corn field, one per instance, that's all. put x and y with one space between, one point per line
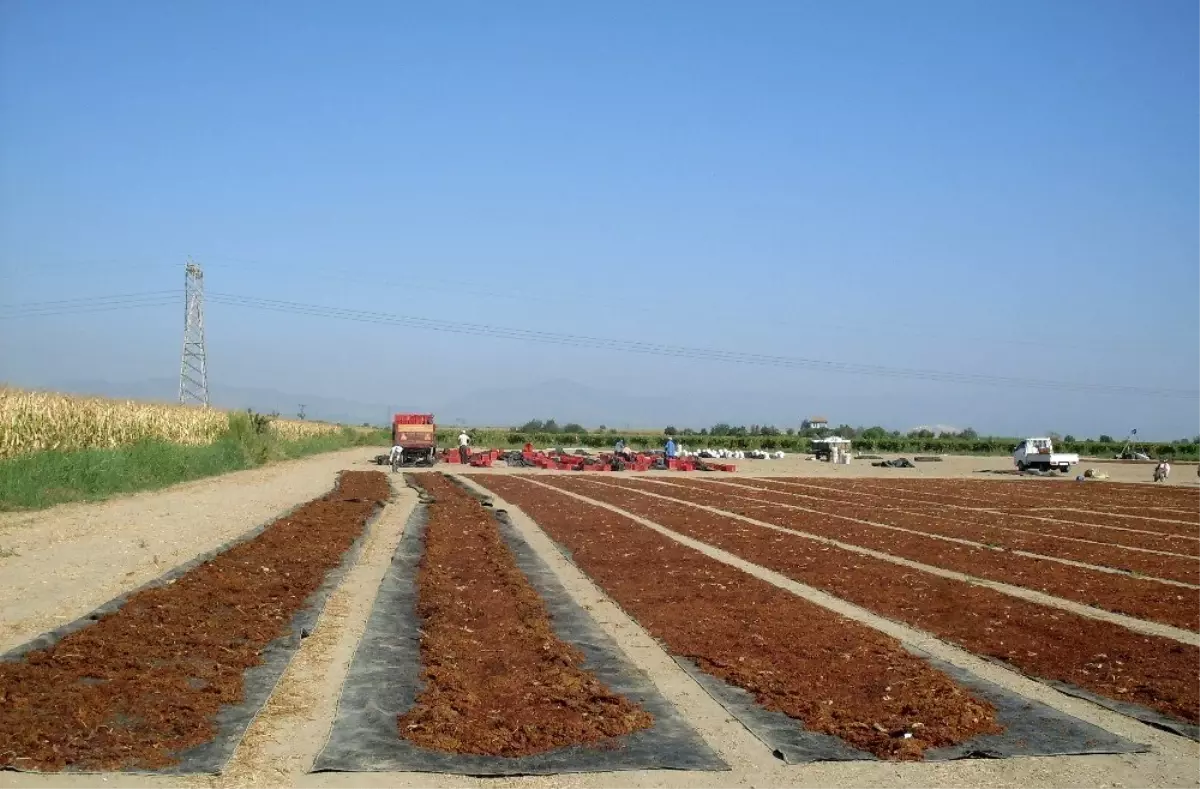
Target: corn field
36 421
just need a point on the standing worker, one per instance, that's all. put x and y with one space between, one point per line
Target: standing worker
672 450
464 441
396 457
619 447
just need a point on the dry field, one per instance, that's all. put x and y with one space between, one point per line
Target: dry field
37 421
791 624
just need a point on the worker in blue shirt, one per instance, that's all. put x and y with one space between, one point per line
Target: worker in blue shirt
672 450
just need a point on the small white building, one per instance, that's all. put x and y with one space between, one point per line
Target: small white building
815 423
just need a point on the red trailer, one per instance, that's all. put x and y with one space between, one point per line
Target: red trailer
416 434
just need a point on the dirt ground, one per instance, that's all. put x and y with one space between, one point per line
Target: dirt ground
59 564
950 467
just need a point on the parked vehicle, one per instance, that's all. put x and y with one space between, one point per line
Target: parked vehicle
1039 454
416 435
823 448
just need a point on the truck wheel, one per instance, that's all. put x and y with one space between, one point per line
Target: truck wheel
1022 465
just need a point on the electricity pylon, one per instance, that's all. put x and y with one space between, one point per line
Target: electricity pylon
193 367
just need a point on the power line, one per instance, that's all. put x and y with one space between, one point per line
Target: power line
328 272
633 346
90 299
461 288
81 306
331 272
127 301
19 270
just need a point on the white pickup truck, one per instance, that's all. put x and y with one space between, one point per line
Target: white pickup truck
1038 453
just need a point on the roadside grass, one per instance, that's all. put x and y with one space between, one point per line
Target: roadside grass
44 479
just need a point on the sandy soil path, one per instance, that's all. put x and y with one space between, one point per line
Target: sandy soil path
61 563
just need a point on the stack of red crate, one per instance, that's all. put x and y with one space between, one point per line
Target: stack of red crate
413 419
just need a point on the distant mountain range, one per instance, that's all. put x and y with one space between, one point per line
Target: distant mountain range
564 401
331 409
560 399
937 429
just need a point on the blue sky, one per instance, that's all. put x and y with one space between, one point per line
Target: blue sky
1007 189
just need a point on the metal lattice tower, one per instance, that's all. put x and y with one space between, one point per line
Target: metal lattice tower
193 368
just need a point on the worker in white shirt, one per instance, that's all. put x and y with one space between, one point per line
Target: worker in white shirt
1162 471
396 457
464 453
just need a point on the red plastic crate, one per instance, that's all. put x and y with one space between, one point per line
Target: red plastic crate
412 419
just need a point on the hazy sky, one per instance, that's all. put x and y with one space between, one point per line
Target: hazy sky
1006 189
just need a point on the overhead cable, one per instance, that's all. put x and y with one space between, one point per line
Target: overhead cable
634 346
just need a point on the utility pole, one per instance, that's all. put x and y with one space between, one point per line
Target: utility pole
193 366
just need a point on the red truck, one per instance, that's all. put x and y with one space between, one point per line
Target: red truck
416 435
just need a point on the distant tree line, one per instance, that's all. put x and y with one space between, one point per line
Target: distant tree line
769 437
876 432
550 426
